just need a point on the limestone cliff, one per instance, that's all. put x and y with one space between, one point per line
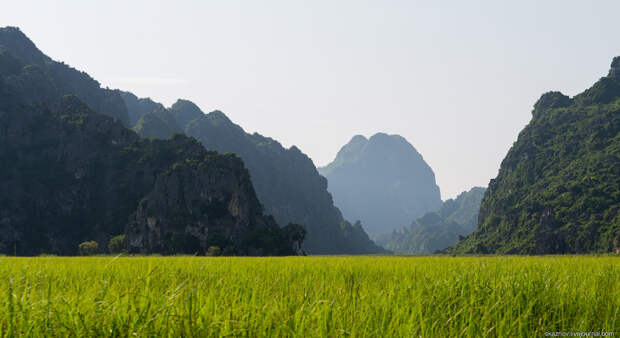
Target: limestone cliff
69 174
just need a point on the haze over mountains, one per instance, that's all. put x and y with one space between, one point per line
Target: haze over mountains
286 180
382 181
79 162
437 230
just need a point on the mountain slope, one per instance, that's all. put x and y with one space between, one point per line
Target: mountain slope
438 230
69 174
287 184
558 189
382 181
157 124
464 208
137 107
286 181
65 79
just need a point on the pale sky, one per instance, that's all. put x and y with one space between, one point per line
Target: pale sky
458 79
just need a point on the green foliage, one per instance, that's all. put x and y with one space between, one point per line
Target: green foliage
308 296
88 248
557 189
117 245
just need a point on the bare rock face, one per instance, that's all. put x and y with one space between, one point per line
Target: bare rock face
196 206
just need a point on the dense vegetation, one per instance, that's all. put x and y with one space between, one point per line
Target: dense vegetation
286 181
438 230
308 296
382 181
70 175
558 188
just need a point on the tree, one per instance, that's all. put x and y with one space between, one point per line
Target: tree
117 244
214 251
88 248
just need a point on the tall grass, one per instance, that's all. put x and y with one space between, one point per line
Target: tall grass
308 296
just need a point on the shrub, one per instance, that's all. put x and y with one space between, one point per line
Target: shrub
214 251
88 248
117 244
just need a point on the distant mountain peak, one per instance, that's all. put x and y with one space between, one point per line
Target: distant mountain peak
185 111
187 104
382 181
218 114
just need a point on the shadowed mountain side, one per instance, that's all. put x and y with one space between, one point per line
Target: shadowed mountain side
138 107
464 208
382 181
69 174
286 181
157 124
64 79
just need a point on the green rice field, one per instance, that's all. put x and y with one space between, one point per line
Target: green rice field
321 296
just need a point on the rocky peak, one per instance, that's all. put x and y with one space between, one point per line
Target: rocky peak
614 71
552 100
138 107
185 111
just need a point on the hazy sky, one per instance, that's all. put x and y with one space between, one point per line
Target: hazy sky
456 78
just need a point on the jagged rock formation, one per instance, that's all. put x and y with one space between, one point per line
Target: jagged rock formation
436 231
558 188
137 107
382 181
69 174
157 124
286 181
184 112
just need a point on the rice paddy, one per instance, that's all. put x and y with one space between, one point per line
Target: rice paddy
367 296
